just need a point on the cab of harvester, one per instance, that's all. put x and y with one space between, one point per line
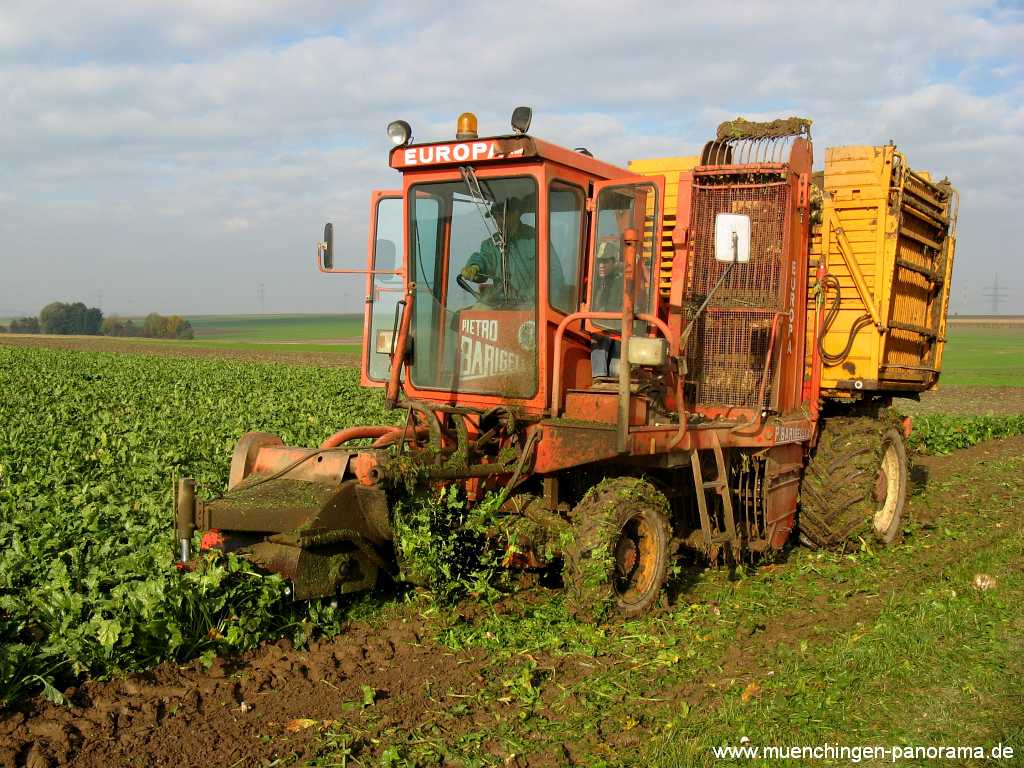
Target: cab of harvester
483 253
637 360
499 273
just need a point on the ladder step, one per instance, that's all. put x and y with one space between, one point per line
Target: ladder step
723 478
702 502
714 484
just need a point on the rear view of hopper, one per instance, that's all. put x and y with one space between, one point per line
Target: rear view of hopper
882 256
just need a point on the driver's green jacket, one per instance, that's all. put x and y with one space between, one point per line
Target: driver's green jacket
522 267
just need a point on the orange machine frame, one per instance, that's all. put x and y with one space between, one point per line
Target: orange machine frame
561 370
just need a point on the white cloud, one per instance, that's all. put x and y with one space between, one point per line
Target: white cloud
237 224
153 130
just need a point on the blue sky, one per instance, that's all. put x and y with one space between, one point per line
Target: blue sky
176 155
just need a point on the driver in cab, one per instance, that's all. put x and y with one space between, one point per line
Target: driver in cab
521 247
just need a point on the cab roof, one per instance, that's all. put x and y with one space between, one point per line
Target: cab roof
493 150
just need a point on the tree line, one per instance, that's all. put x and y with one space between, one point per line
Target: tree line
79 320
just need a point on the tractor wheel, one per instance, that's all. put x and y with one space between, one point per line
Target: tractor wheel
617 559
890 492
855 483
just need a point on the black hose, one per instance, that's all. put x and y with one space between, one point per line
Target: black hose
830 281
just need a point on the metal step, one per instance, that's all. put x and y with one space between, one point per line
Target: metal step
720 486
702 501
723 474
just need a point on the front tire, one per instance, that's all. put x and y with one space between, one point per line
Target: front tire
618 556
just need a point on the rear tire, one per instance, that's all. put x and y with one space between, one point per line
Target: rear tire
855 484
617 559
891 487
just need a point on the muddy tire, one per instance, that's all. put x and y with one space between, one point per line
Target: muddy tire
855 484
617 556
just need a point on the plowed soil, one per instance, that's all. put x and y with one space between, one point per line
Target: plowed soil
380 679
966 401
245 711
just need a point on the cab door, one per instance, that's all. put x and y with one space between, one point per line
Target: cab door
385 286
617 205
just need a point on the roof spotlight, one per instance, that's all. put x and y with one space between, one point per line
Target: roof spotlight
521 117
584 151
400 133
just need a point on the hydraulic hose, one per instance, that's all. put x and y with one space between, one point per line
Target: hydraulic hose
830 281
356 433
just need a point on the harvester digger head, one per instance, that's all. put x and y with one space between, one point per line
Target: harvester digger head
308 515
321 517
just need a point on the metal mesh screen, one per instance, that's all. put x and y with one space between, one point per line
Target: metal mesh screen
728 352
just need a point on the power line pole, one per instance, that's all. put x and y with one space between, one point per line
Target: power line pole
261 295
996 295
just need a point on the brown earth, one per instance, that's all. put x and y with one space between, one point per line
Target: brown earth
966 401
273 352
741 128
374 681
266 704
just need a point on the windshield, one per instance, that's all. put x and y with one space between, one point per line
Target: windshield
474 262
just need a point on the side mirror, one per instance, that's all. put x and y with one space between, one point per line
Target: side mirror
326 248
732 238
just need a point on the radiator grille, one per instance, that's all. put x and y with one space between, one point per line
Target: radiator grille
728 351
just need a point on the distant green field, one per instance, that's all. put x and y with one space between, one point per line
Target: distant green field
276 327
973 357
984 357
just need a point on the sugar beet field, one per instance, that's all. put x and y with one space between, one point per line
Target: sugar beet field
110 656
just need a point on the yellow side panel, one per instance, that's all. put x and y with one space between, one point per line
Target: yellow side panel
670 168
887 236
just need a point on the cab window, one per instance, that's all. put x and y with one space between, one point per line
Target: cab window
387 289
565 238
474 323
618 209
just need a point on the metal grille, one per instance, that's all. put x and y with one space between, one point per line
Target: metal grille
728 352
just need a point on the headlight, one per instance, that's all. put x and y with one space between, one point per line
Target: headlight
521 119
400 133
